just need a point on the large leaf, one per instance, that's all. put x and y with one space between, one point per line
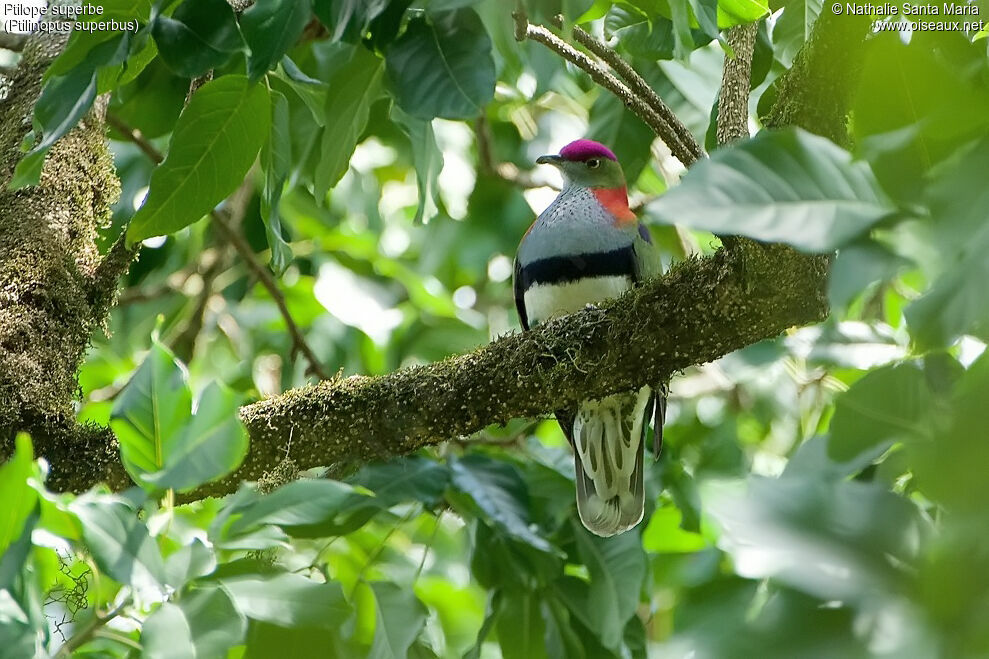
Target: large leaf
956 303
348 19
520 626
189 562
271 28
403 480
213 145
211 444
500 494
915 106
781 186
121 545
288 599
63 102
301 507
150 412
442 67
638 34
399 617
276 160
428 162
199 35
889 404
17 496
793 28
617 567
351 90
203 623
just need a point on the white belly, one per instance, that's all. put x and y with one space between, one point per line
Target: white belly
543 301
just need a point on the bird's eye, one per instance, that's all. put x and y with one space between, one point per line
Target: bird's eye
593 163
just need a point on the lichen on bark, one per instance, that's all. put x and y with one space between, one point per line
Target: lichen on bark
54 286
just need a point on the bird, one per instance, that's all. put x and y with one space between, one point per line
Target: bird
586 247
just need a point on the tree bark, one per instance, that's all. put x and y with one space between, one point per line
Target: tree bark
55 288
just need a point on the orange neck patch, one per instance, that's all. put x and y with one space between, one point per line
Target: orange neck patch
615 201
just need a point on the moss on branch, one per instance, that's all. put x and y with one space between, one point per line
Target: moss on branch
697 312
55 288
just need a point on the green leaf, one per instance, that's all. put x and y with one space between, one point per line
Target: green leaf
428 161
214 144
351 90
348 19
617 567
520 626
639 35
399 617
203 623
211 445
739 12
120 544
289 600
664 534
17 496
276 160
402 480
705 12
442 67
501 495
189 562
857 267
63 102
299 507
683 40
915 107
955 303
200 35
271 28
150 412
780 186
889 404
312 92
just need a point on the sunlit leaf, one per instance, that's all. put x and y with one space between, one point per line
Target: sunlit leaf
203 623
215 142
350 92
150 412
780 186
121 545
288 599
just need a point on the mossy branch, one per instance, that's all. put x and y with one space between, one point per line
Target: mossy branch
699 311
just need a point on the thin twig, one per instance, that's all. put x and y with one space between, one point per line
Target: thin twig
526 30
236 238
638 85
83 636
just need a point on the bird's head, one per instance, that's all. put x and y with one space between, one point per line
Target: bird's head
588 164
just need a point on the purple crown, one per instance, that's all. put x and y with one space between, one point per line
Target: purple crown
584 149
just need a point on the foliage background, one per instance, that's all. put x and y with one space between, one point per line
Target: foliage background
820 494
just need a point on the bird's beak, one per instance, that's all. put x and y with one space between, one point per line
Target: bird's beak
549 160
